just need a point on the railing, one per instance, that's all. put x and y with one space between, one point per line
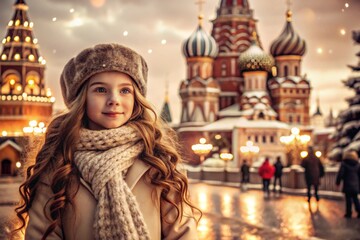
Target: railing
292 178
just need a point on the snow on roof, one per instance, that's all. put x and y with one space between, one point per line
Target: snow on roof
11 143
319 131
244 123
258 94
231 111
224 124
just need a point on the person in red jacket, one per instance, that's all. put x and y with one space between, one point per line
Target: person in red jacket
266 172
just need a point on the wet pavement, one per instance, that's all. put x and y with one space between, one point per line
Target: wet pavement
232 214
229 213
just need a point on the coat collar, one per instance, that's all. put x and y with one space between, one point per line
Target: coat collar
135 172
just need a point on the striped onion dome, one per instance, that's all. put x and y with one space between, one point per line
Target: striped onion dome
289 42
200 44
255 59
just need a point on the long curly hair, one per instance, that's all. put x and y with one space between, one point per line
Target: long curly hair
54 162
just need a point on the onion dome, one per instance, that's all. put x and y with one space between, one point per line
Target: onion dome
289 42
200 44
255 59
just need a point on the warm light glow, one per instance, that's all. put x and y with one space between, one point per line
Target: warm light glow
303 154
27 39
18 88
319 50
11 22
163 42
52 99
12 82
8 97
295 131
71 10
31 83
17 22
16 38
54 19
14 97
274 71
48 92
125 33
4 133
249 148
17 57
4 41
24 95
33 123
150 51
35 41
31 57
41 124
26 24
226 156
347 5
202 140
342 32
98 3
3 57
43 62
18 164
318 154
8 39
31 24
217 136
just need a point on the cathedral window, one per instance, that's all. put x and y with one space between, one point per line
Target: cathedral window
286 71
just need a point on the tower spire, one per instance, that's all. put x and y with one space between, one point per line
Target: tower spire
288 12
201 15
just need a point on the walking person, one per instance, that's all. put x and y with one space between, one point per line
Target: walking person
245 175
314 170
108 167
266 172
278 174
349 173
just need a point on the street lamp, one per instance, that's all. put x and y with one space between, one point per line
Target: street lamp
249 149
202 149
295 144
226 157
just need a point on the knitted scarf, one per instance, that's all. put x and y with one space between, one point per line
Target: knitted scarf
103 158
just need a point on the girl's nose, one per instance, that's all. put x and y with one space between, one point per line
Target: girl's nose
113 99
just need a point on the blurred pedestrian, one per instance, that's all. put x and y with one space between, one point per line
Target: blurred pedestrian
349 173
278 173
245 175
314 170
266 172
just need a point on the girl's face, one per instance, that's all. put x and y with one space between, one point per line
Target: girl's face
109 100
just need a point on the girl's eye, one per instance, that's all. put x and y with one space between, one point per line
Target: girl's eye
100 90
125 91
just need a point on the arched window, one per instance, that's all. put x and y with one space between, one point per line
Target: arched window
286 71
5 167
261 115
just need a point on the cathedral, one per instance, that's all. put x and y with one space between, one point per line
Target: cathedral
236 92
26 104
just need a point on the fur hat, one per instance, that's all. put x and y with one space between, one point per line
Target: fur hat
350 155
102 58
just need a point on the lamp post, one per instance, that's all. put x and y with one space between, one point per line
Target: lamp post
295 144
226 157
249 149
201 149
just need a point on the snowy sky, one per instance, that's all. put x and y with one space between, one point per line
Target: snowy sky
157 29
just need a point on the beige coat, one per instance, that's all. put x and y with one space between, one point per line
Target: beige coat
79 224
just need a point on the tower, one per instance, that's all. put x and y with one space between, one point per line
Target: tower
232 31
165 111
255 66
23 96
289 90
199 92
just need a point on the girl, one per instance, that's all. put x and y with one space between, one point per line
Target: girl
107 169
